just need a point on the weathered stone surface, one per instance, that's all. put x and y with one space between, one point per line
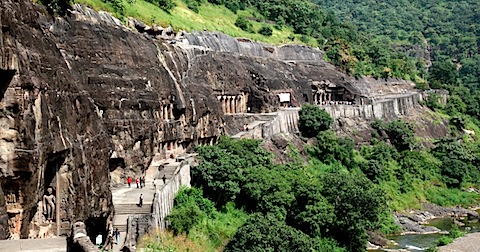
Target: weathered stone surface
79 240
49 122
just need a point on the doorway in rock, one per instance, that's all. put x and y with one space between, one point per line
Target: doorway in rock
6 77
115 163
54 161
97 226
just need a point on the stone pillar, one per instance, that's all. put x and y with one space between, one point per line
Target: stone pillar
227 104
165 112
232 104
222 101
237 105
240 104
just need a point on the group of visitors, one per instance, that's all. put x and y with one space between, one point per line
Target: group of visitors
245 127
139 181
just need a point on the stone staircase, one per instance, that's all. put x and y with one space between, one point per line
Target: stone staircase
126 199
122 211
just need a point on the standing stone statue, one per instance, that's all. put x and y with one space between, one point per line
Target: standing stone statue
49 204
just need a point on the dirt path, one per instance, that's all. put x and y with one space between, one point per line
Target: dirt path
467 243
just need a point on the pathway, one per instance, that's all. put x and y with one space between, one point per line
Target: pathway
35 245
125 199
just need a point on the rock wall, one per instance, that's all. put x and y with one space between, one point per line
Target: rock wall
50 135
220 42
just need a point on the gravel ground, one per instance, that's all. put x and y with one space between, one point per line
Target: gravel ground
467 243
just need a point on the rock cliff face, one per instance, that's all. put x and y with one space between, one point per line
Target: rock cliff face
83 95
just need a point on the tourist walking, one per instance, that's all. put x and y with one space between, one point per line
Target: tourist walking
164 179
129 180
116 233
137 181
109 243
141 200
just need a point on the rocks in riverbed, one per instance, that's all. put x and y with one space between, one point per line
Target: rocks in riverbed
456 212
411 224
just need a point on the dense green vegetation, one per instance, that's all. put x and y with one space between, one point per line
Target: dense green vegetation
328 203
449 27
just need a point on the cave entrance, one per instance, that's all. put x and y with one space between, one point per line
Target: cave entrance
54 162
115 163
6 77
96 226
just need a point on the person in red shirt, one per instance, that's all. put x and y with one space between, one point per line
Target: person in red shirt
137 181
129 180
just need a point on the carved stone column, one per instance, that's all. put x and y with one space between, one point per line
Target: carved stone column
224 107
232 104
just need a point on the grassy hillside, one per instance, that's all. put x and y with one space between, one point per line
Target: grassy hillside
210 17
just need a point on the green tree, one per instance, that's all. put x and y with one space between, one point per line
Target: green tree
358 206
262 234
313 119
443 73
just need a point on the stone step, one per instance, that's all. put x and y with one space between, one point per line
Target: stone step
121 228
132 209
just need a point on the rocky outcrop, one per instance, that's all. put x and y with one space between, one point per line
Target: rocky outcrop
51 136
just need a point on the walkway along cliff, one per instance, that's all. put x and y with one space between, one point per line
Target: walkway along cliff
86 101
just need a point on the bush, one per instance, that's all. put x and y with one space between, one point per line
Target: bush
265 31
56 6
190 207
243 23
193 5
266 234
166 5
117 6
312 120
444 240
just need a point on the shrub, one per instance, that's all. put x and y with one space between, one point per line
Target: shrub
444 240
193 5
265 31
117 6
243 23
56 6
313 119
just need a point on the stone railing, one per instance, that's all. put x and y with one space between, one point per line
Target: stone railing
286 121
381 108
283 121
163 199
